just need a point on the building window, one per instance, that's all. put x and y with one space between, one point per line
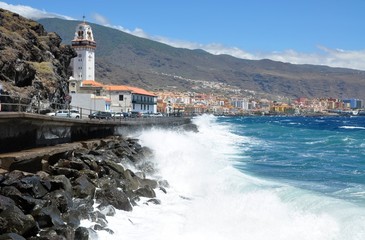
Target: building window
73 84
121 97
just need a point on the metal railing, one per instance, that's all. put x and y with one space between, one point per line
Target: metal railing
17 103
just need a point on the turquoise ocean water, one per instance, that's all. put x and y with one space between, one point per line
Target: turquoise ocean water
254 178
323 154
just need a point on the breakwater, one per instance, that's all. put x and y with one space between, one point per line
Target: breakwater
69 170
20 131
47 195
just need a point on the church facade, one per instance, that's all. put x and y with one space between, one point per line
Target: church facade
90 95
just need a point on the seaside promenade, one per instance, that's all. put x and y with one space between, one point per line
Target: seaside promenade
19 130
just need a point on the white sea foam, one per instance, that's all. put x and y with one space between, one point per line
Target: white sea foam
352 127
209 199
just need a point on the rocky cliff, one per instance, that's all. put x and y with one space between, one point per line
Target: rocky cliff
34 64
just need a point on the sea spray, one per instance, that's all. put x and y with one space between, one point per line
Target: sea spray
209 198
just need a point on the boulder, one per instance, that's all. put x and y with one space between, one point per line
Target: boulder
89 173
163 183
49 234
68 172
83 187
11 236
145 191
107 210
132 182
61 199
67 232
33 186
115 166
61 182
24 202
29 165
154 201
90 161
72 217
5 202
13 220
81 233
12 178
98 227
98 218
163 189
114 197
49 216
83 206
149 182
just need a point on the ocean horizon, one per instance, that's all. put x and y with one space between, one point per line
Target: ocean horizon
253 178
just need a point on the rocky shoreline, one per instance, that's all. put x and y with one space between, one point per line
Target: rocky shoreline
49 204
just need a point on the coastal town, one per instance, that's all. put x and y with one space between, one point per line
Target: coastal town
204 96
233 101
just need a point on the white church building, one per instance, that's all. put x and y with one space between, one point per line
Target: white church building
90 95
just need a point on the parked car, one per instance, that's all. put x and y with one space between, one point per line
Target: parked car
65 113
158 114
74 113
51 114
136 114
100 115
119 115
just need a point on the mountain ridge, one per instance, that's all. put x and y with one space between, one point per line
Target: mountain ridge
122 58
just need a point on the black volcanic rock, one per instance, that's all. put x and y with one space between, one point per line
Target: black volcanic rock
33 62
51 205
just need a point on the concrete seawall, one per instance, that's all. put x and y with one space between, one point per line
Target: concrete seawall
19 131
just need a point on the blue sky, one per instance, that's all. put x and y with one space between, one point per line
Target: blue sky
322 32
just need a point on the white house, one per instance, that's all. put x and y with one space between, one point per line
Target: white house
127 99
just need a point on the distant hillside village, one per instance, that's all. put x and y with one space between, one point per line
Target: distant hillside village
87 93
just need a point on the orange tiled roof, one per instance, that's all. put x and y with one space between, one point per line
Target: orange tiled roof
128 88
117 87
141 91
92 83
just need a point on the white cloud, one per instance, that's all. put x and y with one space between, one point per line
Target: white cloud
32 13
324 56
100 19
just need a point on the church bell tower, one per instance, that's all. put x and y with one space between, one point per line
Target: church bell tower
84 45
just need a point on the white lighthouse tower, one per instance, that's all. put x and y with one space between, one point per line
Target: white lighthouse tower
84 44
